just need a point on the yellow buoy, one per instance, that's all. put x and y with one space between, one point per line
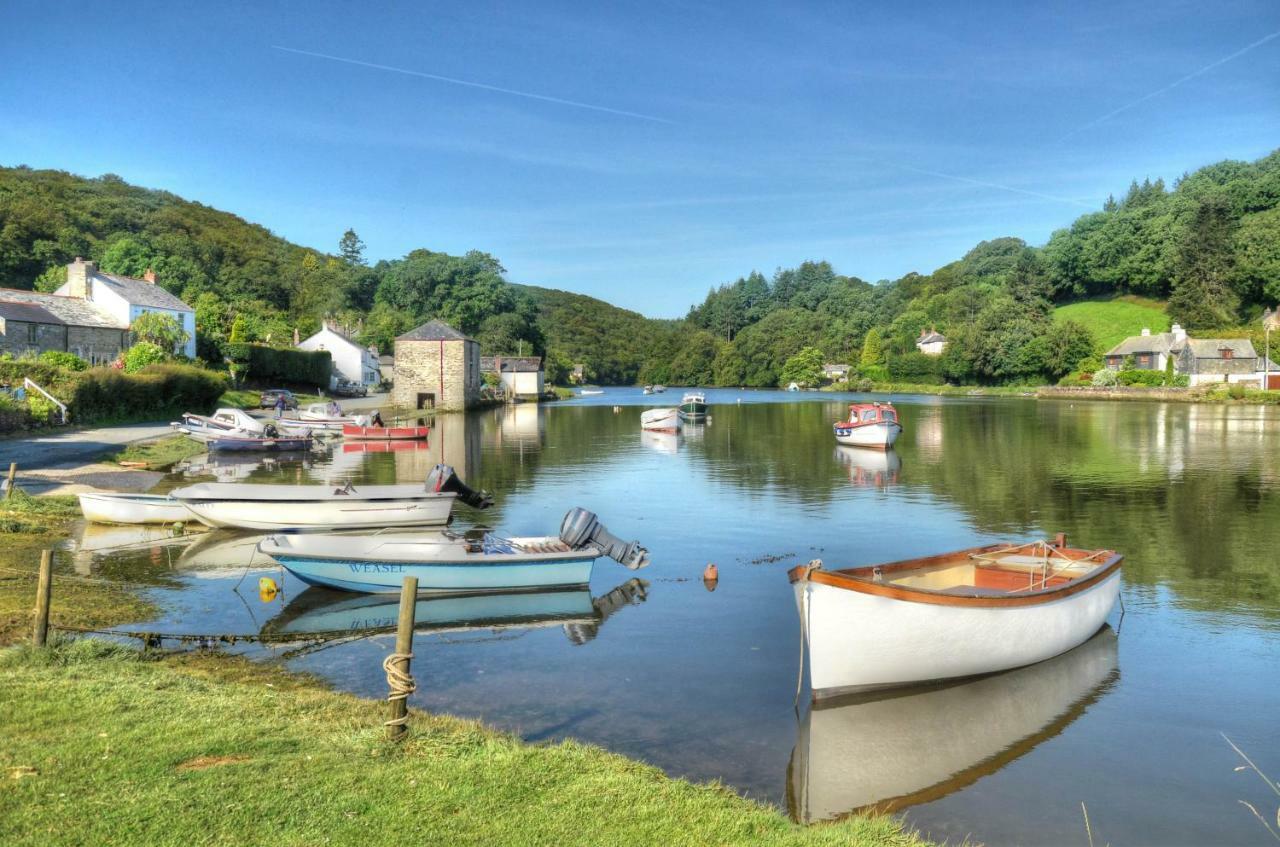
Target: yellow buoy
267 589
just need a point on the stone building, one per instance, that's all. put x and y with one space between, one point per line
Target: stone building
436 367
125 298
31 322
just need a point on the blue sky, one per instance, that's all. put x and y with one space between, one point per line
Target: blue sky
668 147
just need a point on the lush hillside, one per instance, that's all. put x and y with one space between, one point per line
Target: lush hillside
1112 321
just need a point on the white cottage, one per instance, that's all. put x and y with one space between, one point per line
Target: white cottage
125 298
351 361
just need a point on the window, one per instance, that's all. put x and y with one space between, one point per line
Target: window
31 333
869 415
888 415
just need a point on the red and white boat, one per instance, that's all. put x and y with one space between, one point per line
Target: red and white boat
958 614
872 425
355 432
383 446
660 420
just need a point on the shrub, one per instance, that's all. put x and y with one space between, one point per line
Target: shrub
916 368
286 365
1235 391
875 373
64 360
1104 378
141 355
1148 379
105 393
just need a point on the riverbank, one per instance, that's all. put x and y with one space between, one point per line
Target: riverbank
108 745
1216 394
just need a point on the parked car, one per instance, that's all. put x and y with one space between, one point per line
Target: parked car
347 388
268 399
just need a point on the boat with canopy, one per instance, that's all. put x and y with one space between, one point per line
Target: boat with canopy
874 425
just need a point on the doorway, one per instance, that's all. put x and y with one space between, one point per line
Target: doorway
426 401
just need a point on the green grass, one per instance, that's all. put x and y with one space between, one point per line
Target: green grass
1112 321
159 454
247 398
22 513
563 393
105 747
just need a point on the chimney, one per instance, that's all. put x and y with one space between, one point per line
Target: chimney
296 342
150 276
923 332
1179 334
1146 331
79 278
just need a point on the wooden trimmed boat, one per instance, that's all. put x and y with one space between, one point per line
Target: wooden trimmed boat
356 432
660 420
958 614
693 406
874 425
111 507
450 562
258 444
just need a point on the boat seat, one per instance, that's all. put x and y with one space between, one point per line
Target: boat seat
973 591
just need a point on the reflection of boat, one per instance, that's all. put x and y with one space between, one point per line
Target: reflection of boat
223 550
318 611
119 507
957 614
877 468
383 446
385 433
449 562
232 442
660 420
890 752
90 542
221 422
662 442
693 406
869 425
246 505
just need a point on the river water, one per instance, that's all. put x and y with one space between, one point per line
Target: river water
701 683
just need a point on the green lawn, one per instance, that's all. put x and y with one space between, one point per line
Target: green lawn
159 454
1112 321
105 747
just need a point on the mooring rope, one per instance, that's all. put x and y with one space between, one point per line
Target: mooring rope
400 682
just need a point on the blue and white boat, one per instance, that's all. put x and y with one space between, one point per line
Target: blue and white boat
446 562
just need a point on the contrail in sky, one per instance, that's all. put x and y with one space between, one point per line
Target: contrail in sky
1126 107
985 184
527 94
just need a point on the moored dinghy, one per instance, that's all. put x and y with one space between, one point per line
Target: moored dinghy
959 614
660 420
243 505
112 507
452 562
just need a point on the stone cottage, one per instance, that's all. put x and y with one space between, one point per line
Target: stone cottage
32 322
436 367
1203 361
126 298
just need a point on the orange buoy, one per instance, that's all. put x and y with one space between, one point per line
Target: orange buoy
710 573
267 589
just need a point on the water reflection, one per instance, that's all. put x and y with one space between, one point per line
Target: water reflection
661 442
890 752
869 468
93 545
319 612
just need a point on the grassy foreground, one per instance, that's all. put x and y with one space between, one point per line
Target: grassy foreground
105 746
159 454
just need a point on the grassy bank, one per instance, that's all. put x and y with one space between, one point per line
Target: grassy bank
940 390
1216 395
159 454
107 747
247 398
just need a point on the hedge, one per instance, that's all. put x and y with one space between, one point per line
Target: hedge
107 393
916 368
282 365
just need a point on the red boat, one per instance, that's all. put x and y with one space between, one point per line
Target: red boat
385 433
383 446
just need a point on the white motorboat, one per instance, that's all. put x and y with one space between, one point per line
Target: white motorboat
242 505
590 392
329 416
221 423
111 507
864 752
450 562
660 420
958 614
873 425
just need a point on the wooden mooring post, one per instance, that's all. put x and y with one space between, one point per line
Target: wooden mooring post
399 680
13 472
44 588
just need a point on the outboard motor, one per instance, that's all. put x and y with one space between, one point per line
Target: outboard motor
442 478
581 528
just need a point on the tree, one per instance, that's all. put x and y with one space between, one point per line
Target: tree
804 368
161 329
1202 296
872 349
351 248
142 354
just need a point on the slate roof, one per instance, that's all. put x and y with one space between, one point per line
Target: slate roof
28 312
433 331
69 310
139 292
831 369
511 364
931 337
1211 348
1160 342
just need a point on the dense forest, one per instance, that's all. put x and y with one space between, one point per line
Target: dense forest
1210 246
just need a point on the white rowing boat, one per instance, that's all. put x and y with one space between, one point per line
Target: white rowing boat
959 614
242 505
111 507
447 562
660 420
221 423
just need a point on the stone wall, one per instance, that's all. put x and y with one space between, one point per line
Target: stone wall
418 372
96 345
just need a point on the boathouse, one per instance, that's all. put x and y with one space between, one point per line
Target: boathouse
436 367
521 376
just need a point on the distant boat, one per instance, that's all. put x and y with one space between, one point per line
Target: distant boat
385 433
590 392
874 425
660 420
648 389
111 507
970 612
658 389
693 406
222 422
793 387
451 562
324 415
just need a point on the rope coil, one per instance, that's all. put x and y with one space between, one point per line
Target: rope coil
400 682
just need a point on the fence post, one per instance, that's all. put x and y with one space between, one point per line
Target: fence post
40 632
13 471
397 664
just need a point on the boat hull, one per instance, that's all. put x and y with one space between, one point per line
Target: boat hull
438 577
859 641
228 444
877 436
429 510
132 508
695 411
660 420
